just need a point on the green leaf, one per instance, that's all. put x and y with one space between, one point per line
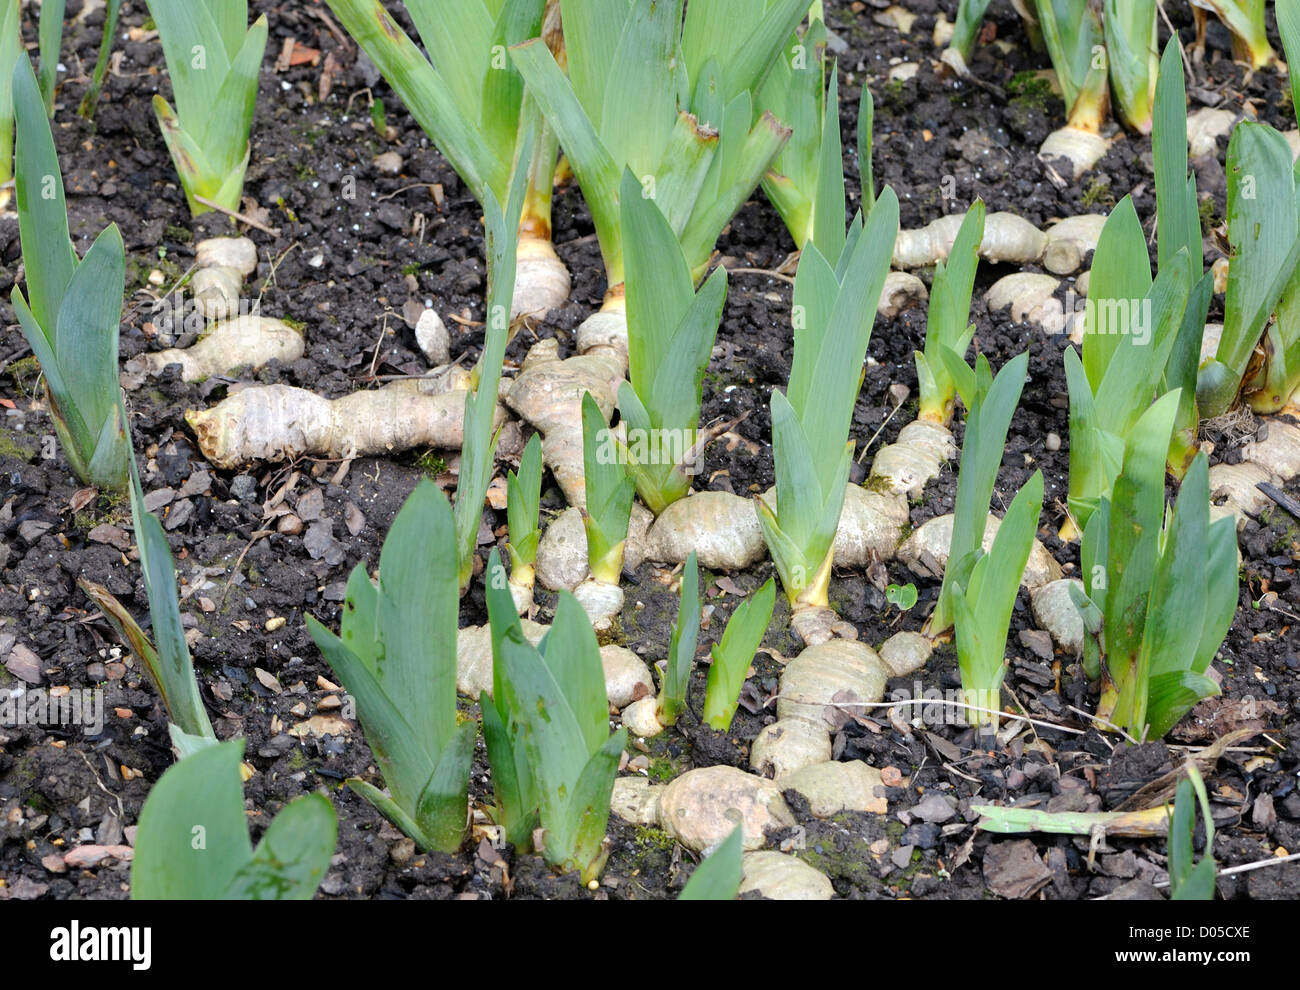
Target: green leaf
1138 361
985 602
169 665
394 812
1131 43
583 827
659 287
594 165
406 764
192 842
1245 19
718 877
10 50
48 256
523 502
681 645
1072 30
192 836
397 656
1180 373
1095 454
1137 510
684 168
644 65
50 39
592 29
555 698
904 596
1178 222
948 325
1263 237
478 451
738 167
442 810
1188 881
427 95
513 787
231 20
195 47
733 655
1121 277
609 494
573 657
1288 26
417 615
223 132
987 420
711 33
794 92
970 14
828 209
826 373
866 120
291 860
1172 695
86 330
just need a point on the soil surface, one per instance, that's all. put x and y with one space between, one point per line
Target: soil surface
357 253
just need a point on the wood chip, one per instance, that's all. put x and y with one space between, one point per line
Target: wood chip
268 680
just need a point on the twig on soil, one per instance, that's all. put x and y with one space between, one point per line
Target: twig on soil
1284 500
383 332
323 16
1232 870
1105 722
234 571
236 215
398 192
13 356
1055 726
1187 62
269 281
770 273
1248 867
157 300
121 812
867 446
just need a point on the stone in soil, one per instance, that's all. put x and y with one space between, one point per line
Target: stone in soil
871 527
562 552
627 678
934 808
1014 869
789 744
474 656
925 552
833 673
641 718
720 527
779 877
703 806
905 653
1055 612
832 787
636 800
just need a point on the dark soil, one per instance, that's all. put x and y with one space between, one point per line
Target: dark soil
345 267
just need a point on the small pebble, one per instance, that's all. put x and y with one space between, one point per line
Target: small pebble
1053 442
